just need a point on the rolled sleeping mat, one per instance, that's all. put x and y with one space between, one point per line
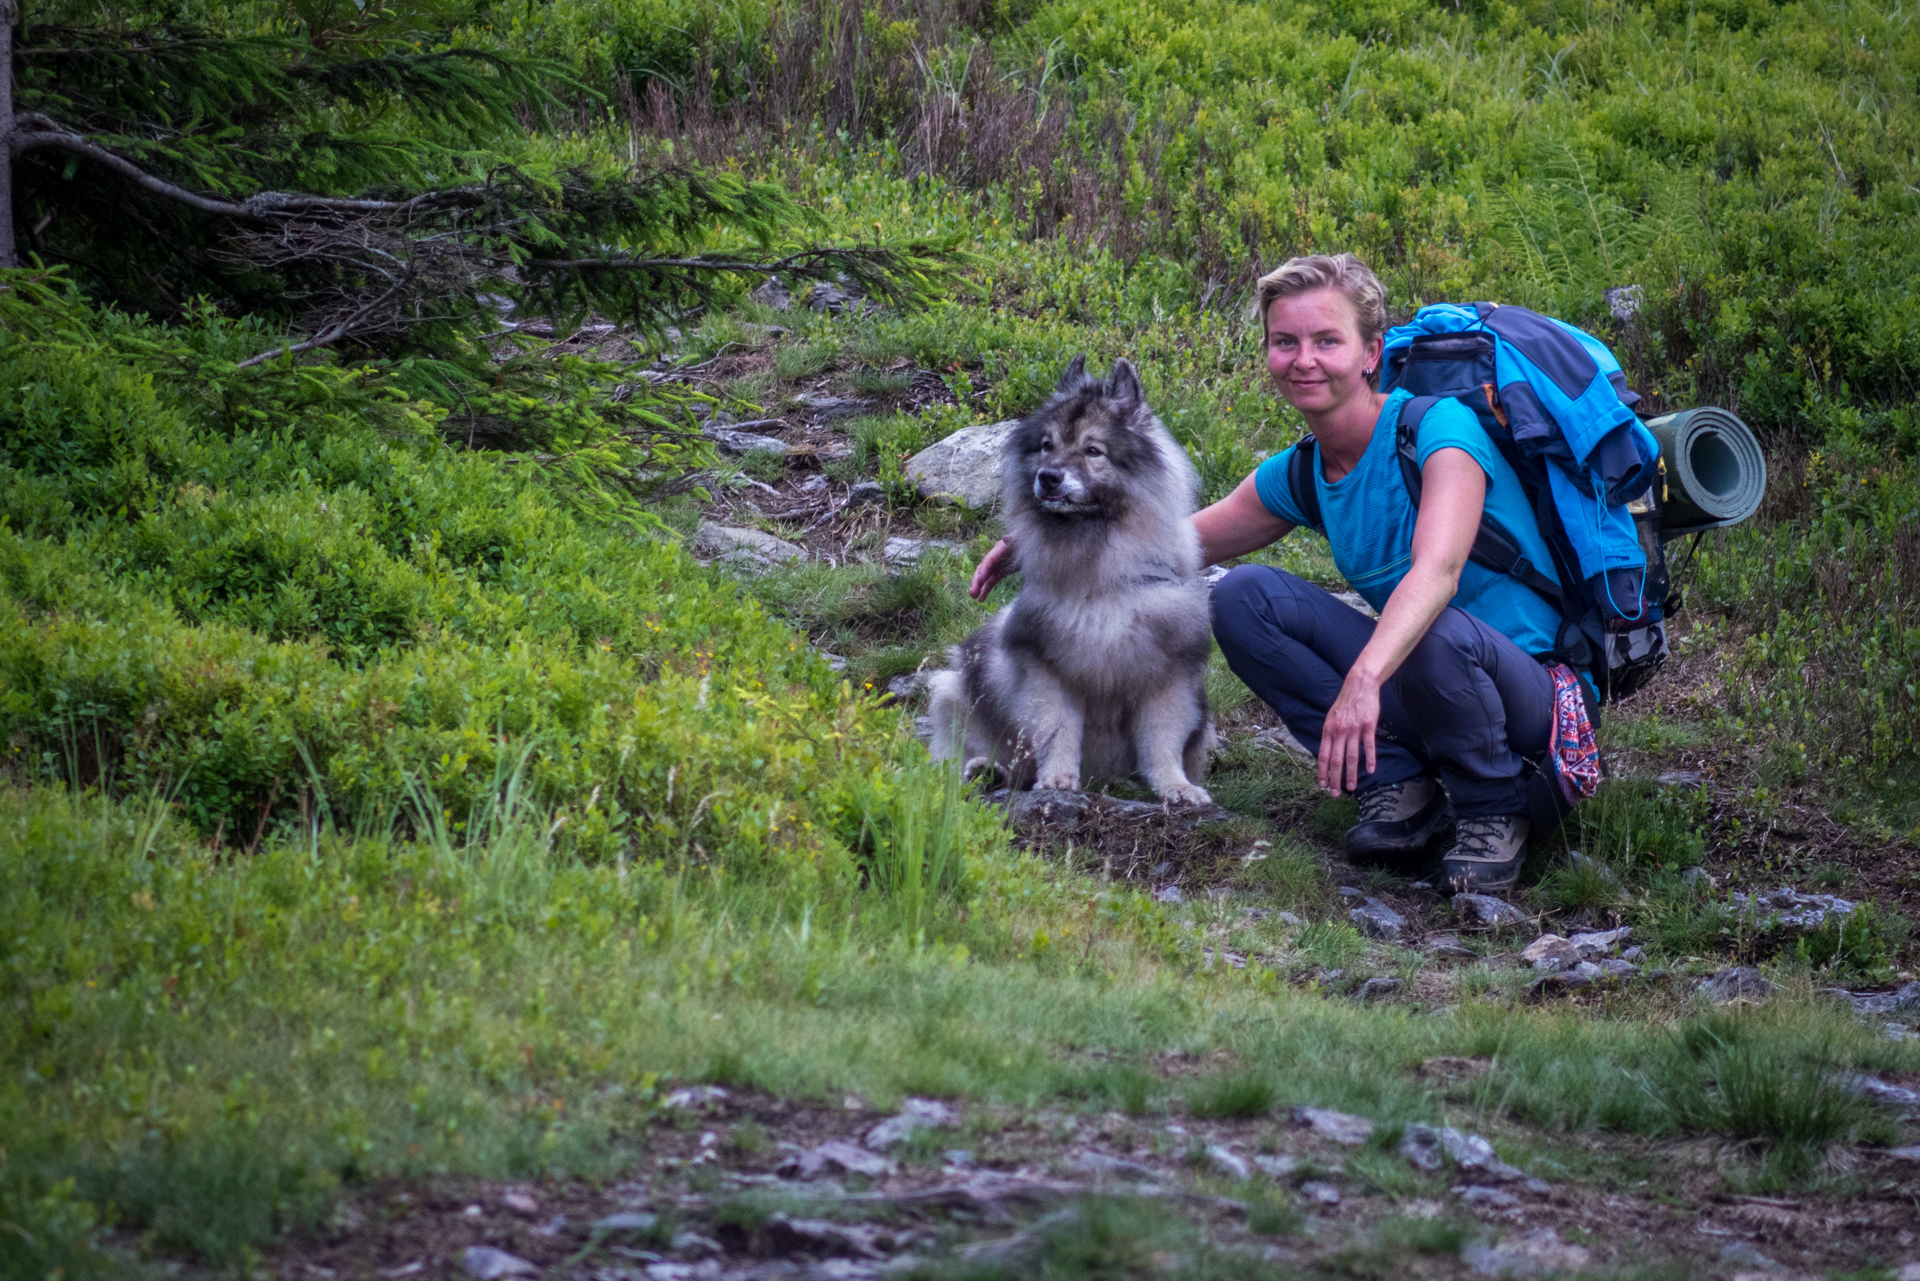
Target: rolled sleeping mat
1716 474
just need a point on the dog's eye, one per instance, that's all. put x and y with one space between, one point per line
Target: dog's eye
1093 451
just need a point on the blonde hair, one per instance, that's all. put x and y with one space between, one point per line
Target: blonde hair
1352 278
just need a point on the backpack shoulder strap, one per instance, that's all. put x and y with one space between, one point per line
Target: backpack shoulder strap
1493 547
1300 468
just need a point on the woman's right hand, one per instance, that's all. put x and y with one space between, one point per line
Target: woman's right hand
993 567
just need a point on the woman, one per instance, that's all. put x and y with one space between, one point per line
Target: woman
1438 700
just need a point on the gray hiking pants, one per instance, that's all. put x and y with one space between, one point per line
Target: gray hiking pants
1468 704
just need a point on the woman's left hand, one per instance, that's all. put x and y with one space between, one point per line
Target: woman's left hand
1347 738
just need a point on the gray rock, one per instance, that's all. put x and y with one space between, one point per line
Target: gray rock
1681 778
909 686
908 551
1341 1127
1697 876
820 1237
865 493
1354 600
1791 912
742 442
1320 1193
1447 947
694 1246
725 542
519 1202
1884 1092
1420 1145
1487 911
1550 953
1744 1254
1278 1167
832 298
1899 1001
1736 983
1375 988
1904 1154
771 293
484 1263
1169 894
1280 739
1376 920
915 1115
964 466
1592 947
625 1221
695 1097
835 1157
830 409
1103 1166
1494 1198
1228 1162
1583 974
957 1158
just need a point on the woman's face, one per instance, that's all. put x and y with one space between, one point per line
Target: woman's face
1314 350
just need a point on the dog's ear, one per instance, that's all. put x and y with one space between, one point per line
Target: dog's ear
1123 386
1076 373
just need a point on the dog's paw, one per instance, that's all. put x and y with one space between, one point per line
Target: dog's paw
1058 782
1186 794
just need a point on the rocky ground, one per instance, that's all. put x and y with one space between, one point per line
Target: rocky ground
744 1185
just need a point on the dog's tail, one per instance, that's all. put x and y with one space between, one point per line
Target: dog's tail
947 710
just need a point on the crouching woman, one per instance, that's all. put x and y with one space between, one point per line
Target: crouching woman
1442 698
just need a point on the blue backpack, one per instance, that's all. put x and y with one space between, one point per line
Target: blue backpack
1555 403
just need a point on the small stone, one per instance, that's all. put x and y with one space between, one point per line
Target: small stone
957 1158
1908 1272
1279 738
1493 1198
694 1246
1448 947
835 1157
1602 943
1168 894
909 686
1698 877
1228 1162
727 541
1634 954
1375 988
1744 1254
773 294
1623 303
914 1115
519 1202
820 1237
1420 1144
1102 1166
626 1221
742 442
473 1212
1278 1167
1886 1092
484 1263
1681 778
1376 920
1348 891
694 1097
1539 1187
667 1270
865 493
1320 1193
1487 911
1736 983
1904 1154
908 551
1340 1127
1550 953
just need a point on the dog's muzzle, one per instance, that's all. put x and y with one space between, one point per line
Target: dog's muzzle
1058 490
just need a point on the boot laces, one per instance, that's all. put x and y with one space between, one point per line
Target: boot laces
1382 804
1484 838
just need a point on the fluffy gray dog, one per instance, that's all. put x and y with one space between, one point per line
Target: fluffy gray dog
1096 669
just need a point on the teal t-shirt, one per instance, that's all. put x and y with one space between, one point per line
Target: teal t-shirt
1369 521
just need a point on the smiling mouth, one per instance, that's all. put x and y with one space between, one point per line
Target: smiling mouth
1064 506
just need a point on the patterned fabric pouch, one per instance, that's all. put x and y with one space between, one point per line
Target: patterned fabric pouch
1576 754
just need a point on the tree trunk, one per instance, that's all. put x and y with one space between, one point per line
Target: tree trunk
8 256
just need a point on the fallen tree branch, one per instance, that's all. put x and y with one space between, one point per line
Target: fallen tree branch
333 333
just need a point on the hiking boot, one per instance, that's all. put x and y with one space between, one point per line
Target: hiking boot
1487 853
1396 820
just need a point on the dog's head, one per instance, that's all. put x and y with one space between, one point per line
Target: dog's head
1088 449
